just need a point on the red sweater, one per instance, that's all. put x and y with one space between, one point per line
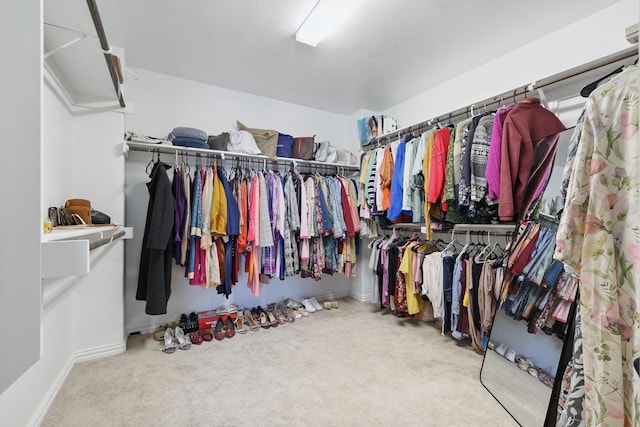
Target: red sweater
525 125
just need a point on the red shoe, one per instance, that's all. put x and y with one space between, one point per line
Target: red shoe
218 332
206 334
195 337
230 327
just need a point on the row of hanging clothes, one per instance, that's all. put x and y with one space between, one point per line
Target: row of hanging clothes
476 171
461 282
537 289
284 224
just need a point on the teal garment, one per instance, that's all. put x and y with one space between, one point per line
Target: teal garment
449 191
417 197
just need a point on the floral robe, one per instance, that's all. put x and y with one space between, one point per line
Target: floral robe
599 240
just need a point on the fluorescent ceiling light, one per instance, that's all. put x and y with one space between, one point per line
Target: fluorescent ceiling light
324 18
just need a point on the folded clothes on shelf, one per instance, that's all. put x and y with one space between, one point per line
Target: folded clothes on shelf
189 142
187 132
134 137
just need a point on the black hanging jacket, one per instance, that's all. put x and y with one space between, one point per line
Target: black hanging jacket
154 277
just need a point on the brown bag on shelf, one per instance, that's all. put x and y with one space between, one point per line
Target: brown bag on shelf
267 140
80 207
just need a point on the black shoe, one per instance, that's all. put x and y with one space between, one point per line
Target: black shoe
193 317
183 322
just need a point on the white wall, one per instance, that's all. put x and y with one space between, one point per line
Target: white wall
162 102
589 39
20 221
82 316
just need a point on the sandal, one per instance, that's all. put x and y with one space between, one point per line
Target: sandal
265 322
326 305
240 327
249 320
158 334
168 345
273 320
289 315
334 304
183 340
227 309
279 315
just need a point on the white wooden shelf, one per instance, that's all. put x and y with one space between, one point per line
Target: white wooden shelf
66 252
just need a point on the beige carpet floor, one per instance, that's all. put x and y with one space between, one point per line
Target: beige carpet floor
352 366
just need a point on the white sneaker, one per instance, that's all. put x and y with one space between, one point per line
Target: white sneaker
315 303
308 305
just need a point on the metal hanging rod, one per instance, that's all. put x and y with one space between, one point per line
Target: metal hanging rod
106 49
513 94
225 155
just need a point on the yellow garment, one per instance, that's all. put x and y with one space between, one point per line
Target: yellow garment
414 301
218 207
426 172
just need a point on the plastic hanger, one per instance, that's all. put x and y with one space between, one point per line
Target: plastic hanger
586 91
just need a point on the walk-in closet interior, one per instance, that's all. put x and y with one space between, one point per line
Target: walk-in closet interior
437 201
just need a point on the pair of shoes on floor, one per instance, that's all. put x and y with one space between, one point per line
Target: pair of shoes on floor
250 320
328 305
266 319
158 334
189 324
227 309
298 310
175 339
199 336
224 328
311 304
505 352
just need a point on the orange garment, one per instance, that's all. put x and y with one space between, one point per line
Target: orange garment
242 201
386 173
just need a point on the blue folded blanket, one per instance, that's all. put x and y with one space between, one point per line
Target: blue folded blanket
187 132
189 142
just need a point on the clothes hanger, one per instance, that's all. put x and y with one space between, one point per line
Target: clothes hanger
149 163
586 91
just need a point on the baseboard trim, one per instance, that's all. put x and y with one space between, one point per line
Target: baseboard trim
99 352
361 296
77 357
332 295
39 416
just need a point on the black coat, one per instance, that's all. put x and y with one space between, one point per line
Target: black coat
154 277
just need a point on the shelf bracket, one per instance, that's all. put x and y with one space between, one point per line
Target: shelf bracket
64 46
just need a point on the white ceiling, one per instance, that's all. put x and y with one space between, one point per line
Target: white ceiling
390 51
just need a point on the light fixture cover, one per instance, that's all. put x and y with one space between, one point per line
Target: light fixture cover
324 18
